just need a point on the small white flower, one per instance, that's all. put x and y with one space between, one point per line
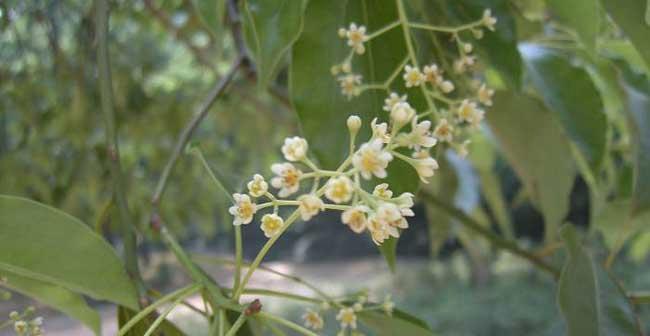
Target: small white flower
444 131
380 131
485 95
420 136
446 86
424 164
467 47
348 318
295 148
243 210
378 230
310 206
346 67
388 306
287 179
478 33
392 100
489 21
412 76
382 191
313 320
271 225
38 321
356 37
339 189
353 123
342 32
470 113
432 74
257 187
372 159
358 306
355 218
405 202
350 85
402 113
391 215
462 149
20 327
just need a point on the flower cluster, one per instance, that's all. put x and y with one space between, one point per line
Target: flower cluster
455 101
24 326
347 314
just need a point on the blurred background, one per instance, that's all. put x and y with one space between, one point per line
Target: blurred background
165 57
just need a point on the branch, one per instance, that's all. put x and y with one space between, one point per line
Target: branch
495 239
113 151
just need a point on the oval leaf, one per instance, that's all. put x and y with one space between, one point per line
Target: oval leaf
629 16
581 15
400 323
45 244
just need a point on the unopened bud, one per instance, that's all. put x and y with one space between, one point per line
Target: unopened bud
354 124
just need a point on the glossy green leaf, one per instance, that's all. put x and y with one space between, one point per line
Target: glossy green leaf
535 146
389 250
590 299
166 328
271 28
45 244
570 93
400 323
71 304
629 16
637 87
581 15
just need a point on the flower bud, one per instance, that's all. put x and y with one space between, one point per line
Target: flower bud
354 124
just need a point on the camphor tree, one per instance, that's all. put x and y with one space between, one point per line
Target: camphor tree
389 94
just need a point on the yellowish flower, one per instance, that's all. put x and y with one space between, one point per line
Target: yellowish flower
425 165
313 320
462 149
354 124
339 189
446 86
392 100
272 225
380 131
432 74
467 110
485 95
355 218
378 230
420 136
20 327
356 37
372 159
391 216
257 187
444 131
489 21
405 203
350 85
348 318
243 210
413 76
287 179
382 191
310 206
295 148
402 113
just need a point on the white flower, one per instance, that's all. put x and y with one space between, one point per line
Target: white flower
339 189
405 202
382 191
380 131
355 218
391 215
20 327
432 74
489 21
243 210
257 187
388 306
462 149
310 206
271 225
392 100
446 86
378 230
357 306
485 95
412 76
420 136
372 159
348 318
353 123
350 85
424 164
287 179
356 37
467 47
466 110
402 113
444 131
313 320
294 148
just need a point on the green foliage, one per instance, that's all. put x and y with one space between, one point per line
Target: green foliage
77 259
398 323
629 16
582 15
165 329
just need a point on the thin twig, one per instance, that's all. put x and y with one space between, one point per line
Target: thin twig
496 240
113 151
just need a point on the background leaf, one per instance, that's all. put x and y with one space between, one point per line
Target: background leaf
166 328
541 159
629 16
45 244
400 323
581 15
570 93
57 297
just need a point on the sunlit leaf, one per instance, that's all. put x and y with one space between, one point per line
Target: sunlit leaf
166 328
629 16
581 15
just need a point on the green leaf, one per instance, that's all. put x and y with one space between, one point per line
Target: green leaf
629 16
57 297
590 299
570 93
537 149
389 250
211 13
400 323
271 26
45 244
616 224
166 328
581 15
637 87
577 293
